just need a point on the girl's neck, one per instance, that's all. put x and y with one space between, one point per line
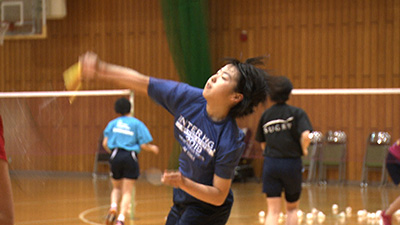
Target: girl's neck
216 113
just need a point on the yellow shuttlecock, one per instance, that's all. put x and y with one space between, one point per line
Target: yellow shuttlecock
72 79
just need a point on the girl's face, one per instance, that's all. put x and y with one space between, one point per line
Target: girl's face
220 86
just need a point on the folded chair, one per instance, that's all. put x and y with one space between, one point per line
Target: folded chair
333 155
245 169
310 161
377 147
101 157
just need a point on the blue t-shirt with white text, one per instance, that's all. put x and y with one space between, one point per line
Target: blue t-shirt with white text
208 147
128 133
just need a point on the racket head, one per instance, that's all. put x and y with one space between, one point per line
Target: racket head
153 176
72 79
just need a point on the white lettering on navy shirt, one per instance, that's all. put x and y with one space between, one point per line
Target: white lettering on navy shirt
196 141
277 125
123 128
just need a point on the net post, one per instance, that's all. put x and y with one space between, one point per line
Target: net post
133 203
133 194
132 101
3 30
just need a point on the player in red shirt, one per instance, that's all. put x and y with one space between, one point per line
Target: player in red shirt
6 206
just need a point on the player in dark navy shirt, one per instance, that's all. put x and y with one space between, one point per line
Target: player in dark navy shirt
205 127
283 133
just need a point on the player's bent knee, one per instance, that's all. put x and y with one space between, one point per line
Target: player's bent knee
292 206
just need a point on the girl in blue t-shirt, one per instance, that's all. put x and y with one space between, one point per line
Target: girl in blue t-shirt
205 127
124 137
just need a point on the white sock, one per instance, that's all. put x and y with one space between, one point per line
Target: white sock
114 205
121 217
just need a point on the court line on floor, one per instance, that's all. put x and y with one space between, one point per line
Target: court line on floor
83 214
51 221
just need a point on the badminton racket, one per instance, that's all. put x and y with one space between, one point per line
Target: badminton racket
153 176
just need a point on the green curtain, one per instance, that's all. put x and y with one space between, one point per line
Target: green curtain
186 27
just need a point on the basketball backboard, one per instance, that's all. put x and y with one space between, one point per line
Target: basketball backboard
25 18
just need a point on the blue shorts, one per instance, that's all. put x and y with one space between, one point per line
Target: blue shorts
282 174
393 167
124 164
199 214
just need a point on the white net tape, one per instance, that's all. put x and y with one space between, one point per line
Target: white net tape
36 94
347 91
335 91
3 31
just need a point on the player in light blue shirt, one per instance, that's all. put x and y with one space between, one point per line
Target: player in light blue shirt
128 133
124 137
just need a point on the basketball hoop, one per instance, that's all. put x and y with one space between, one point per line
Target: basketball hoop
3 31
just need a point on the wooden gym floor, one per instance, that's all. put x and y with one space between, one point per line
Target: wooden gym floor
67 199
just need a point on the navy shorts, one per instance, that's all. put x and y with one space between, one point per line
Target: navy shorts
282 174
124 164
393 167
199 214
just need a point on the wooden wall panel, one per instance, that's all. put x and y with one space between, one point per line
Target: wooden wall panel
317 44
56 136
323 44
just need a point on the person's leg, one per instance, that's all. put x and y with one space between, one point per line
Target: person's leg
387 214
272 187
127 187
116 191
292 185
274 208
115 197
291 212
393 207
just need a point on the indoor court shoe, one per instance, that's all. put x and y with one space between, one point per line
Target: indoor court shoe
112 213
386 219
119 222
